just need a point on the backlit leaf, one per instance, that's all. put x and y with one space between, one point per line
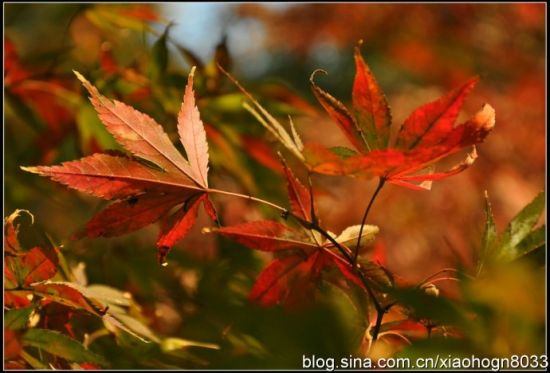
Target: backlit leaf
177 226
137 132
149 186
340 114
299 195
371 109
193 136
431 122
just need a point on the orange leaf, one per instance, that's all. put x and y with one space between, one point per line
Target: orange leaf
193 136
148 186
111 177
137 132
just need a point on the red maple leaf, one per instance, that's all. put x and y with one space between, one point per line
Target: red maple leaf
427 135
150 182
302 254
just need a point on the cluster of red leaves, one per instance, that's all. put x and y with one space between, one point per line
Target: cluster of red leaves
303 254
427 135
28 272
156 179
151 182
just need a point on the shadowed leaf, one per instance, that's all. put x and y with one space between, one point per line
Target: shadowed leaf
60 345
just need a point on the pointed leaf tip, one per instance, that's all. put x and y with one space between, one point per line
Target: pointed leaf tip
79 76
434 121
193 135
371 108
31 169
85 82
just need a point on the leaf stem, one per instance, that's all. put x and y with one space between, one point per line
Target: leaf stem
381 183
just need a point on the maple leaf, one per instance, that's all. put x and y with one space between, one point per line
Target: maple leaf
303 258
23 268
148 184
300 264
302 254
427 135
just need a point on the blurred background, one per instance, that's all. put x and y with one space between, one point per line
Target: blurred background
141 53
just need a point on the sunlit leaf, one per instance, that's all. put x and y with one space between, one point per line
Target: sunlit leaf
149 187
340 114
371 109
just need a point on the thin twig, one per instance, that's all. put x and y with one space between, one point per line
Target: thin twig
381 183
